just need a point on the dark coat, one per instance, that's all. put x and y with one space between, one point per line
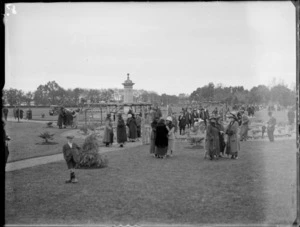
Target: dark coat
161 139
182 121
131 123
70 153
60 119
121 131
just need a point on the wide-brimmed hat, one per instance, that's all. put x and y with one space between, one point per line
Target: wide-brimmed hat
69 137
169 118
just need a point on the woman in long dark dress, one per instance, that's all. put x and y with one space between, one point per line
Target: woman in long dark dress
131 123
121 131
153 136
213 140
161 140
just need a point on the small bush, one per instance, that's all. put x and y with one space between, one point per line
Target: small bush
46 136
49 124
89 156
84 129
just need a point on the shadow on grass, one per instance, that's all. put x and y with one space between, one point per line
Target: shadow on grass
48 143
194 147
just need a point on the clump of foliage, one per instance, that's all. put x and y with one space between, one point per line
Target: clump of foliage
49 124
46 136
89 156
84 129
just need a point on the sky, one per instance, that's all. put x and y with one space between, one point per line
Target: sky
171 47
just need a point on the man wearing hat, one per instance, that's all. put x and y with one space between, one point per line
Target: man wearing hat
70 151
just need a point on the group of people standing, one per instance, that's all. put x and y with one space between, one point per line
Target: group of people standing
126 131
215 144
188 118
162 137
67 117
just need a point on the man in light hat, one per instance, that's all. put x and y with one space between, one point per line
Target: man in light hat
70 151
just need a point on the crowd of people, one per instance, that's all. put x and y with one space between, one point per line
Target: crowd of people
67 117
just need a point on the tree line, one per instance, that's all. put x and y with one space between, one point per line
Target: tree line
261 94
53 94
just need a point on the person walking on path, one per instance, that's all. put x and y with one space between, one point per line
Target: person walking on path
153 136
5 113
108 131
213 140
121 131
171 136
161 140
70 152
233 142
271 127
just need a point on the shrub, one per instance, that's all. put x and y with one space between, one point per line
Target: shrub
49 124
84 129
89 156
46 136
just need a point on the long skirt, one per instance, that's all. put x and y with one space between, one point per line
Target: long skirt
161 151
152 147
171 145
244 132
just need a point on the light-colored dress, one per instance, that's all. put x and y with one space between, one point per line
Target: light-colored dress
171 139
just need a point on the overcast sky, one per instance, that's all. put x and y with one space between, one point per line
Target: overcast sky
166 47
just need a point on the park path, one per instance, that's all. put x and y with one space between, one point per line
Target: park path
31 162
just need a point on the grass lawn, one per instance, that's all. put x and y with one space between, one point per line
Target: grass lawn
25 142
138 189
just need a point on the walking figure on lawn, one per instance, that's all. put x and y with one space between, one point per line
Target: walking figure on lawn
70 151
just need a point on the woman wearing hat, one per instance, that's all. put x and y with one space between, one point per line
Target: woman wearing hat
212 139
108 131
171 135
121 131
161 140
132 126
233 143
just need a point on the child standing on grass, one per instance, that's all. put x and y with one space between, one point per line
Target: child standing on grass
70 151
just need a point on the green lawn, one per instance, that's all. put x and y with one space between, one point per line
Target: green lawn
25 142
136 189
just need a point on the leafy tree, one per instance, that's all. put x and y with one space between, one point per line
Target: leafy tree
282 95
14 96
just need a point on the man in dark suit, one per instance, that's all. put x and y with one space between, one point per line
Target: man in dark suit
70 151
